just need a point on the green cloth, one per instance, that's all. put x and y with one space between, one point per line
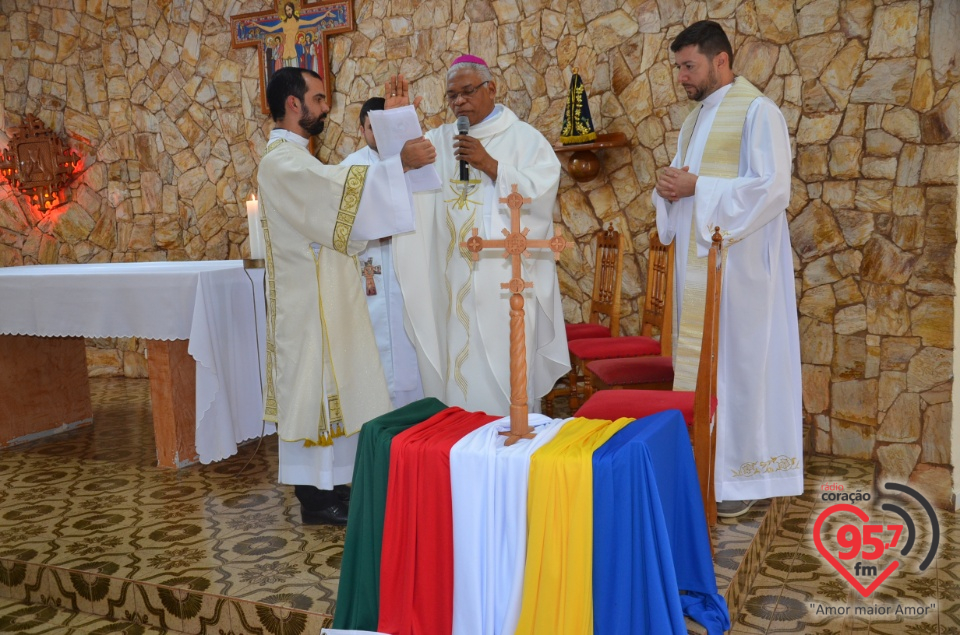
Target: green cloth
358 598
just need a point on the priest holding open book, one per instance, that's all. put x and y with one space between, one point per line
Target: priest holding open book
324 377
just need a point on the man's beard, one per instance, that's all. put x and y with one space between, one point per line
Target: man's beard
313 125
706 87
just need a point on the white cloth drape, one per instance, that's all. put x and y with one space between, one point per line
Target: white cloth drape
489 487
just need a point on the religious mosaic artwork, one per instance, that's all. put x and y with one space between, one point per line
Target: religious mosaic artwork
38 164
292 35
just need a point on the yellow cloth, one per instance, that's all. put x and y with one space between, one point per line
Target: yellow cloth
558 577
721 158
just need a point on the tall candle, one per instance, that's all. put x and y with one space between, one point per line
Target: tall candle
258 248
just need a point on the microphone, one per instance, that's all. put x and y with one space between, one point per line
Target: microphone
463 127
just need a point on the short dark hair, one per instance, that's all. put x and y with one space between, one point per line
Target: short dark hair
285 82
709 38
374 103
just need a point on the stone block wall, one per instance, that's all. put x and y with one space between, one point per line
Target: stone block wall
167 117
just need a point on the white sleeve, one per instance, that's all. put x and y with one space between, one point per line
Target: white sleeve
386 203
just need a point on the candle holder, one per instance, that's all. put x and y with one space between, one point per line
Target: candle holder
254 263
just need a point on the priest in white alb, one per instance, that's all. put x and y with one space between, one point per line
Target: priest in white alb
324 377
732 171
382 291
458 316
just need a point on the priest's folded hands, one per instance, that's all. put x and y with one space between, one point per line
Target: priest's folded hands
676 183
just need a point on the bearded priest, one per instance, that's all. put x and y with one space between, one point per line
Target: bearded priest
324 377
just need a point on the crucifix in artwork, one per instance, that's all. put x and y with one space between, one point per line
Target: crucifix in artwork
292 35
515 245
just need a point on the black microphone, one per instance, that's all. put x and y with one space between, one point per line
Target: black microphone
463 127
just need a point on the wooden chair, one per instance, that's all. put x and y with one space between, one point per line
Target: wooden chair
604 302
650 372
698 407
657 314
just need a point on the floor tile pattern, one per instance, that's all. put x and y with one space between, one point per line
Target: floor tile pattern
89 524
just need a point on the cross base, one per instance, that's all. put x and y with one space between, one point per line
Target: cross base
513 438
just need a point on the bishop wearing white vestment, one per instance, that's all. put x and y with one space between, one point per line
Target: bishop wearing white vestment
457 314
324 377
732 170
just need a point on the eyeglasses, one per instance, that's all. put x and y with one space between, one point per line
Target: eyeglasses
466 93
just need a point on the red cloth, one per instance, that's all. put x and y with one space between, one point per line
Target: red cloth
651 369
416 562
585 330
613 404
610 347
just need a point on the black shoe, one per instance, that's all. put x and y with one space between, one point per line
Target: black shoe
335 514
343 493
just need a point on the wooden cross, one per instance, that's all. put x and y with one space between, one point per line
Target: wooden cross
292 35
515 244
368 271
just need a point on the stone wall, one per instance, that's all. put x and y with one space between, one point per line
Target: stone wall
167 117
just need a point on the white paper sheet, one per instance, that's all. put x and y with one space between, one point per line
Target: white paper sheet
393 128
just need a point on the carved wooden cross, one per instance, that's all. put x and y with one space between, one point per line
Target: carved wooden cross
515 244
368 271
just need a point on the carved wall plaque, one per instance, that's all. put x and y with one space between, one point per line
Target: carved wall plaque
38 163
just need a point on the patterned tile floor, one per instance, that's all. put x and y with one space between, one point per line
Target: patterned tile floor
95 539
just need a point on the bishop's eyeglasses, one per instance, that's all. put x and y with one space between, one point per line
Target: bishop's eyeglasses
466 93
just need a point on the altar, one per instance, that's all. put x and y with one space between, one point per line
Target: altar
205 339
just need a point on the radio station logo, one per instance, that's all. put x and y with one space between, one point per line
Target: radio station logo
862 544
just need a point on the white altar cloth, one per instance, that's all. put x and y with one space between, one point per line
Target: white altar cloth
214 304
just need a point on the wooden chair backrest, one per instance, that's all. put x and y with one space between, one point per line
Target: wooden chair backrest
606 280
658 304
703 433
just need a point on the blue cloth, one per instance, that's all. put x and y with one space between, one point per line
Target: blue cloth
650 538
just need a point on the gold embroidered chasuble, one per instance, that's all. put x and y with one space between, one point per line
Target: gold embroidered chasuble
324 377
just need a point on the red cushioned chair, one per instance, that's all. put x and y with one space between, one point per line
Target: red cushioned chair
698 407
657 314
649 372
605 302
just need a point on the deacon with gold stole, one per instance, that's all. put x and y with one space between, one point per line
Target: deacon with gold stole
324 377
456 312
732 171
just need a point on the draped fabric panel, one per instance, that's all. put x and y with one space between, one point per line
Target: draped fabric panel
489 484
557 583
591 527
359 592
650 537
416 574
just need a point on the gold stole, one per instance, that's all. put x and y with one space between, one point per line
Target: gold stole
721 158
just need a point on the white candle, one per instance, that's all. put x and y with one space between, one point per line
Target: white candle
258 248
